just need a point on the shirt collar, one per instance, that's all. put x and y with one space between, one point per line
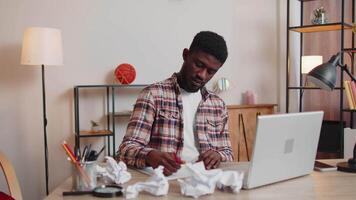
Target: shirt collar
204 92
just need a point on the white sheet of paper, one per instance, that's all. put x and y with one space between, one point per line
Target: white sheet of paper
183 172
157 185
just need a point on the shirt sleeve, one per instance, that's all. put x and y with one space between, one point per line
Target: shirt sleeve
133 149
225 149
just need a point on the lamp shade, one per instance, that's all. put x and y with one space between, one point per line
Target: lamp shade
324 75
42 46
310 62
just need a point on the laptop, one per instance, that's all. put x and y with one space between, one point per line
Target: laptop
285 147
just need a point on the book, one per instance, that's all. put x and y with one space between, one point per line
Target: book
352 95
353 92
324 167
349 95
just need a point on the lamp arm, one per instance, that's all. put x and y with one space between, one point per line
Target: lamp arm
344 67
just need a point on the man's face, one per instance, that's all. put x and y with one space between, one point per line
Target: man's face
198 68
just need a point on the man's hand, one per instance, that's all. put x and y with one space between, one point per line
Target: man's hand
211 159
156 158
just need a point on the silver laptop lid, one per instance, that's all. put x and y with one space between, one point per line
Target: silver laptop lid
285 147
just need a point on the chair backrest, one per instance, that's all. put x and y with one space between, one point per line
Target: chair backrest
11 178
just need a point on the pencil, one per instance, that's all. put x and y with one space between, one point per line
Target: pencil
76 163
69 151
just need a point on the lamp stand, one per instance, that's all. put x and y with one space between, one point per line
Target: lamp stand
45 126
325 76
350 165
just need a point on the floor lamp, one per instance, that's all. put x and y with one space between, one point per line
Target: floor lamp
42 47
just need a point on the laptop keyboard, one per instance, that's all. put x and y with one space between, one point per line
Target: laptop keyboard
242 167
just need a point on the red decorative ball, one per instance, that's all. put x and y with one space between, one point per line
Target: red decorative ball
125 73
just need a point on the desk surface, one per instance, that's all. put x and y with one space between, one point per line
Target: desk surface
318 185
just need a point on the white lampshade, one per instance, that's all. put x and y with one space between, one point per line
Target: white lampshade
310 62
42 46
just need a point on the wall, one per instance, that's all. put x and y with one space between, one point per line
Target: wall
99 35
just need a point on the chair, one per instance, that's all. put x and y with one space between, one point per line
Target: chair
11 178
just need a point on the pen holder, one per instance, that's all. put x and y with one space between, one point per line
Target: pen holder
84 179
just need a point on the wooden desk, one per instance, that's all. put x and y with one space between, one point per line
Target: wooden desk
319 185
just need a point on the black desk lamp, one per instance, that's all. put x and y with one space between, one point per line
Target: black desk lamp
324 76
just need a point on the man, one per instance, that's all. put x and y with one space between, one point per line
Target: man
178 118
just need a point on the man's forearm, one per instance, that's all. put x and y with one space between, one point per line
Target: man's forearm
133 154
226 154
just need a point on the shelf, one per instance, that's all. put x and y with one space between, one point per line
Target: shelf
310 88
349 110
251 106
320 27
112 85
122 113
90 133
351 50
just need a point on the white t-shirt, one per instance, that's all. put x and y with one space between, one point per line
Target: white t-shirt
191 102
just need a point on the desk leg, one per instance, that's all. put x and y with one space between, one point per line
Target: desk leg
242 125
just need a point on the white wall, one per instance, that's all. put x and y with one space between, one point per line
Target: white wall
99 35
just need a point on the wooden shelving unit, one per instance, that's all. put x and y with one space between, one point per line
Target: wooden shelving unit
110 131
321 27
342 28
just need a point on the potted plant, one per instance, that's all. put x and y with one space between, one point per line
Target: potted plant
319 16
94 125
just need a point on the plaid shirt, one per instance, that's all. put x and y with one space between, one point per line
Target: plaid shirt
157 123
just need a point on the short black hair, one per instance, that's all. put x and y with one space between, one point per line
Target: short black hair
211 43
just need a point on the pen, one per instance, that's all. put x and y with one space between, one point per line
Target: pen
101 150
88 152
78 154
84 153
177 159
91 155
